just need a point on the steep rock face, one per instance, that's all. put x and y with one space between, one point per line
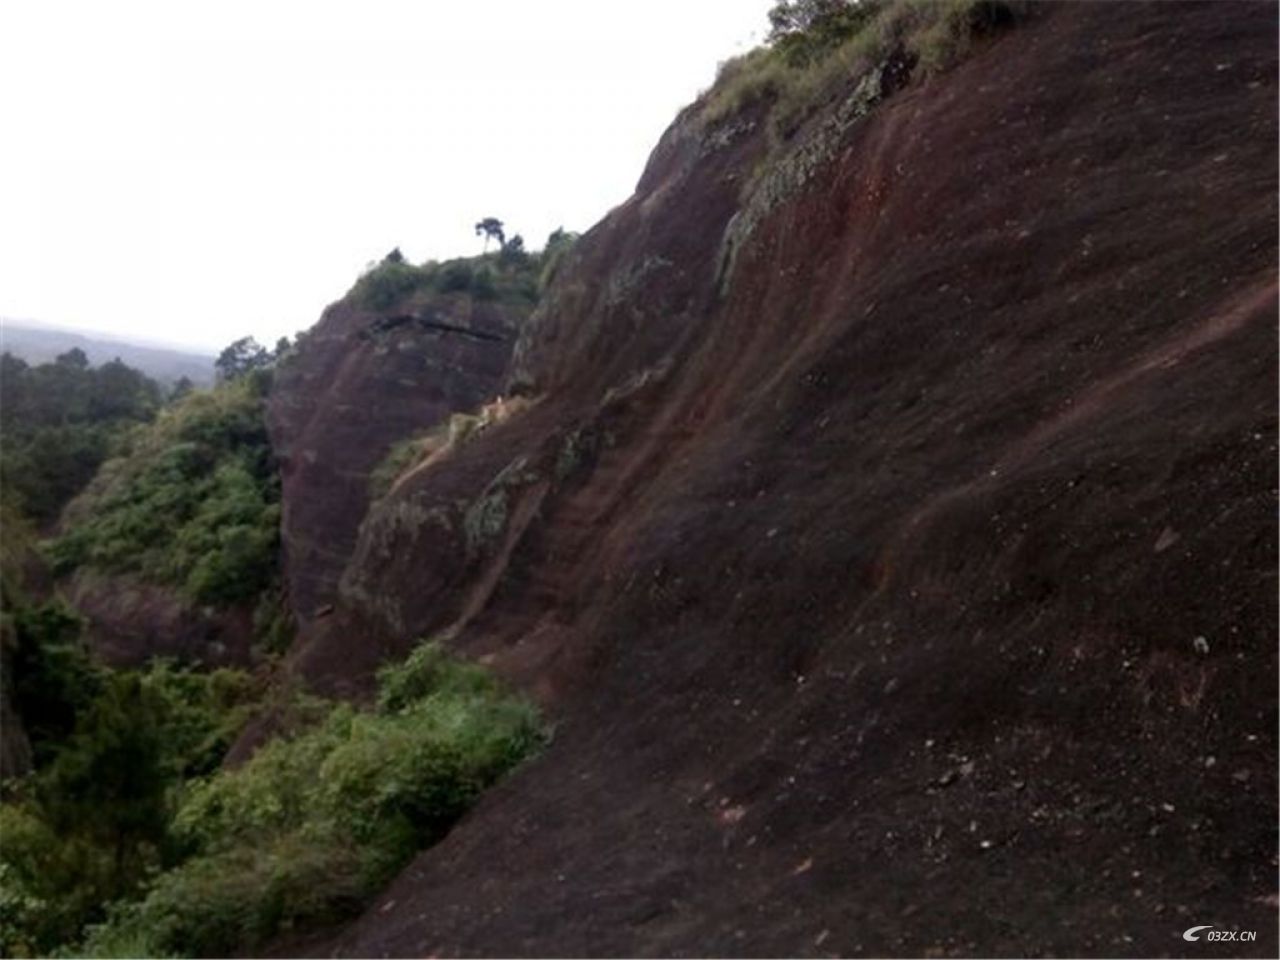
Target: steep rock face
359 382
892 536
129 622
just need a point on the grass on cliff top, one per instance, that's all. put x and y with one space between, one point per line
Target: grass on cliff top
799 72
511 275
314 825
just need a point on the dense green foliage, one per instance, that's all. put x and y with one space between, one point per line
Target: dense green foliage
98 758
131 833
121 833
244 357
59 421
389 282
194 502
313 825
93 823
512 275
46 676
51 678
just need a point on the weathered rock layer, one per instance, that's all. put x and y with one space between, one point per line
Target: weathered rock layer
356 385
894 546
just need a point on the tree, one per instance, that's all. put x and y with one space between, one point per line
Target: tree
51 677
15 393
242 357
109 783
181 387
491 229
119 391
75 357
513 251
59 421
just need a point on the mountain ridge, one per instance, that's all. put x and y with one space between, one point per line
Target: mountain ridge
39 343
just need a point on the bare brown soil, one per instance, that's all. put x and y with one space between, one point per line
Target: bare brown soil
916 595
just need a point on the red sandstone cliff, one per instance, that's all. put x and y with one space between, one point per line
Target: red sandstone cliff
356 386
892 535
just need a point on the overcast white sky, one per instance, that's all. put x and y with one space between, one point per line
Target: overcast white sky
193 172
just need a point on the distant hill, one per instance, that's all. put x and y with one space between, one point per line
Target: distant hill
41 344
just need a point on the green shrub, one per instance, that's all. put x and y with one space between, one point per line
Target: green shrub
272 793
429 670
22 911
948 35
116 941
806 30
484 284
108 785
194 503
53 677
273 623
509 276
213 904
46 468
111 747
388 283
314 824
49 883
92 824
456 276
201 714
59 421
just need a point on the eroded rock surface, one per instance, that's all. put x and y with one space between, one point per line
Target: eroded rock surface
864 569
359 382
128 622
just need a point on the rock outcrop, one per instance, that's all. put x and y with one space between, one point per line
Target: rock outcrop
128 622
359 382
891 532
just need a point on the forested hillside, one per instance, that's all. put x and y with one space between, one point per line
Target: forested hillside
60 421
144 621
167 366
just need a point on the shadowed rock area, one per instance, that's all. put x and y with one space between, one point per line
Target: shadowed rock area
363 382
128 622
891 531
